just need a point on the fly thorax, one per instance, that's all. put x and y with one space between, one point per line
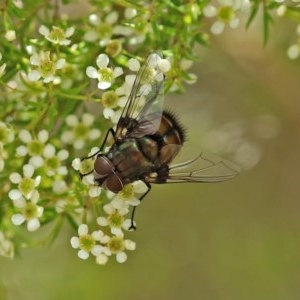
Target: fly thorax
149 147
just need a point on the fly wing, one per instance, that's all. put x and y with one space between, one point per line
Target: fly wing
199 169
142 112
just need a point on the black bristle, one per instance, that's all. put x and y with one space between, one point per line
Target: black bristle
171 115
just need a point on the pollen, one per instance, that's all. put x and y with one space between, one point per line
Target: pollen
26 185
35 147
115 220
87 242
116 244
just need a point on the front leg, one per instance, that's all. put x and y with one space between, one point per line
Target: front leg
132 226
110 131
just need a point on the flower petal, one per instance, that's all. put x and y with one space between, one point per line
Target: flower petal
83 229
49 151
15 178
34 75
33 225
28 170
74 242
35 59
121 257
43 30
118 71
70 31
101 259
43 136
83 254
25 136
14 194
217 27
91 72
17 219
88 119
103 85
60 63
102 60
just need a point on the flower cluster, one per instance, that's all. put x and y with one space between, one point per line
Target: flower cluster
108 239
45 64
25 198
100 245
79 132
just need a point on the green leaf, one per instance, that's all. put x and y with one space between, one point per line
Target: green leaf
252 14
267 19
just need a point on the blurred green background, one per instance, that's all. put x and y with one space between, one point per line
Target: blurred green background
237 240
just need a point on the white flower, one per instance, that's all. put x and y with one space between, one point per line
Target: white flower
104 74
225 13
30 212
26 183
87 242
80 131
113 102
85 167
10 35
101 29
128 196
45 67
53 160
115 219
293 51
56 35
34 146
116 245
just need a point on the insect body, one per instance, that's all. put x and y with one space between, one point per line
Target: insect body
147 139
131 158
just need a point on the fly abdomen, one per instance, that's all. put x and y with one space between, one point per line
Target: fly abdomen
170 130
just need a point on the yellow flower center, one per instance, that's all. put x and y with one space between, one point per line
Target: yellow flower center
26 185
56 35
116 244
86 242
226 14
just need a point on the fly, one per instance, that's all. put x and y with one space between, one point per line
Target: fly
146 140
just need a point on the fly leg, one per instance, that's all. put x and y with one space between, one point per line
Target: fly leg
110 131
132 226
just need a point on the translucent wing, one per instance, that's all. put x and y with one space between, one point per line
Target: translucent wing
199 169
142 112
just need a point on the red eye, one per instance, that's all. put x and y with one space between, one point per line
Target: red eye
103 166
114 183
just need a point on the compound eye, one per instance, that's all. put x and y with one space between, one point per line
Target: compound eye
114 183
103 166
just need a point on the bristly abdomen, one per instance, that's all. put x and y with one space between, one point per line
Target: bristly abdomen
174 122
